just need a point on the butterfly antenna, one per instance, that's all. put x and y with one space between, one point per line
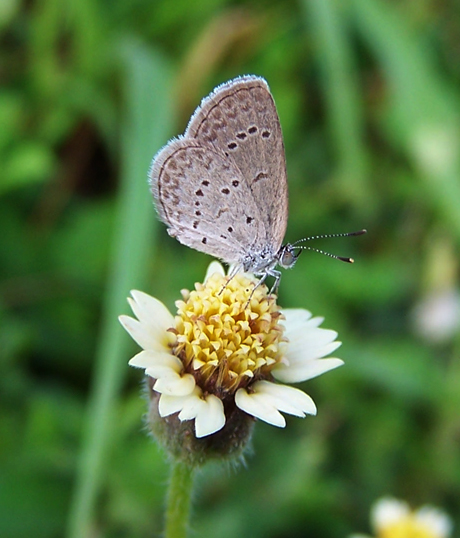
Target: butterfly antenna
327 236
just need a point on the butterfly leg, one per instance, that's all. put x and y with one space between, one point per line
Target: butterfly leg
234 270
277 276
269 272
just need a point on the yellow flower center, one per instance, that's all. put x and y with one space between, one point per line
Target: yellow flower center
408 527
224 341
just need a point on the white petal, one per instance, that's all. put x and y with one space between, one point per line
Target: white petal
306 341
288 373
192 405
214 267
151 311
256 405
387 511
170 404
434 520
147 339
173 404
152 359
210 417
286 399
295 317
307 333
174 384
307 344
208 412
165 365
300 326
309 349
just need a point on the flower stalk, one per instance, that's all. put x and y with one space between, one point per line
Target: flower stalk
179 500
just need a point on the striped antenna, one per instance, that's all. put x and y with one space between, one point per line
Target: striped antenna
328 236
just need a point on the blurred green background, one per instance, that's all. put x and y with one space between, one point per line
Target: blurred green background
368 93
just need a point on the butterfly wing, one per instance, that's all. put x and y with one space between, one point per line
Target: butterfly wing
204 200
239 120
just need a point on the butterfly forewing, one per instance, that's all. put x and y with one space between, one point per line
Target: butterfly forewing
201 196
240 120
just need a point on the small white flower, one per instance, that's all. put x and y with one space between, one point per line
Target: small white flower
226 349
437 315
392 518
387 512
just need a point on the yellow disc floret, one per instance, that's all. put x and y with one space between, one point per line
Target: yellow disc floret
228 333
407 527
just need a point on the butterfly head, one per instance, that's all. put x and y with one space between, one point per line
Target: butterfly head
287 256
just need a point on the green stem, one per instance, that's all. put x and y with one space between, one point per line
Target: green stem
179 501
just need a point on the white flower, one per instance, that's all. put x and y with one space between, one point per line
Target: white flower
392 518
437 315
227 346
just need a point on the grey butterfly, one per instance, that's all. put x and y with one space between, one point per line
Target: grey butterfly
221 187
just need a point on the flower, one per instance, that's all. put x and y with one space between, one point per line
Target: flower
225 351
392 518
436 316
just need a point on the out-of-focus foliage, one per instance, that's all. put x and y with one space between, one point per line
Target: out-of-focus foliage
368 92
